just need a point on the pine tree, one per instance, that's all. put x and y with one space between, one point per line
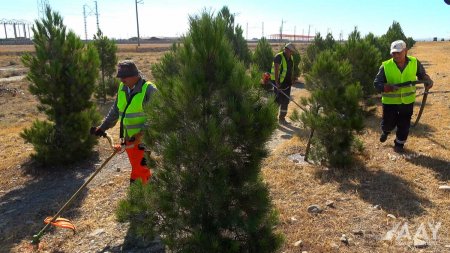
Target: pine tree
318 45
234 34
263 55
364 58
62 74
107 50
395 32
209 128
297 59
334 112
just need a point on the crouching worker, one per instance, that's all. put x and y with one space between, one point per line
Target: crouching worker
133 93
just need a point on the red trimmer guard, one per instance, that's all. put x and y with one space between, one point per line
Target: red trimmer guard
60 222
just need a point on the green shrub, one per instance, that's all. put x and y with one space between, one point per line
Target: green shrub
263 55
107 50
334 112
365 60
63 84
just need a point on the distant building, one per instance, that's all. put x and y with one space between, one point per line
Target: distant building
290 37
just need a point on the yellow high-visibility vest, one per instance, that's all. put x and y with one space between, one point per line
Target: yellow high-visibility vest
283 67
134 118
404 95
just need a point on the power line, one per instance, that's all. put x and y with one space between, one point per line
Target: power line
88 13
42 6
85 24
96 14
281 29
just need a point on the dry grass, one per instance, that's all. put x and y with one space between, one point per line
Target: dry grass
403 185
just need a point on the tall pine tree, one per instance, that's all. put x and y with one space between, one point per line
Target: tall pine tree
107 50
263 55
62 74
394 32
234 34
365 59
209 128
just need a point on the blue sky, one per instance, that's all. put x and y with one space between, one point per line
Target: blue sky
420 19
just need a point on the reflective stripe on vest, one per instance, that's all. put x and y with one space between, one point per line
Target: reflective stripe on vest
404 95
283 68
135 118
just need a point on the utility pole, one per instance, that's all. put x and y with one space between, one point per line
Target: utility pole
246 32
137 20
309 29
295 29
85 24
42 6
262 34
281 29
96 14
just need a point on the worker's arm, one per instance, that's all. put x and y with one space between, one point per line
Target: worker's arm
423 76
112 117
380 80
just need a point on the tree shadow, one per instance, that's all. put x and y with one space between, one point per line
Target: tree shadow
290 130
24 207
155 246
378 187
299 85
441 167
422 129
443 146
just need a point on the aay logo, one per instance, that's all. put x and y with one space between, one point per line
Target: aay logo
403 232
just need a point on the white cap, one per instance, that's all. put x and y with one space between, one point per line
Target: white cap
398 46
291 47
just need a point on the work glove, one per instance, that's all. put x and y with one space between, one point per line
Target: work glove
428 83
97 131
389 88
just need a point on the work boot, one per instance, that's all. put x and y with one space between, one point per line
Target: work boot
398 148
384 136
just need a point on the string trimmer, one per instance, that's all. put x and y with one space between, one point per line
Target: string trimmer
65 223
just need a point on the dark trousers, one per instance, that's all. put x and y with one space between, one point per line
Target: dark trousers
282 101
397 116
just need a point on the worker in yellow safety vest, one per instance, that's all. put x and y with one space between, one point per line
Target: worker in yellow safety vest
133 93
282 75
398 102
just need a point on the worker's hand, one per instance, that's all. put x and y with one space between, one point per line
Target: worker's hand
389 88
428 84
117 147
97 131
